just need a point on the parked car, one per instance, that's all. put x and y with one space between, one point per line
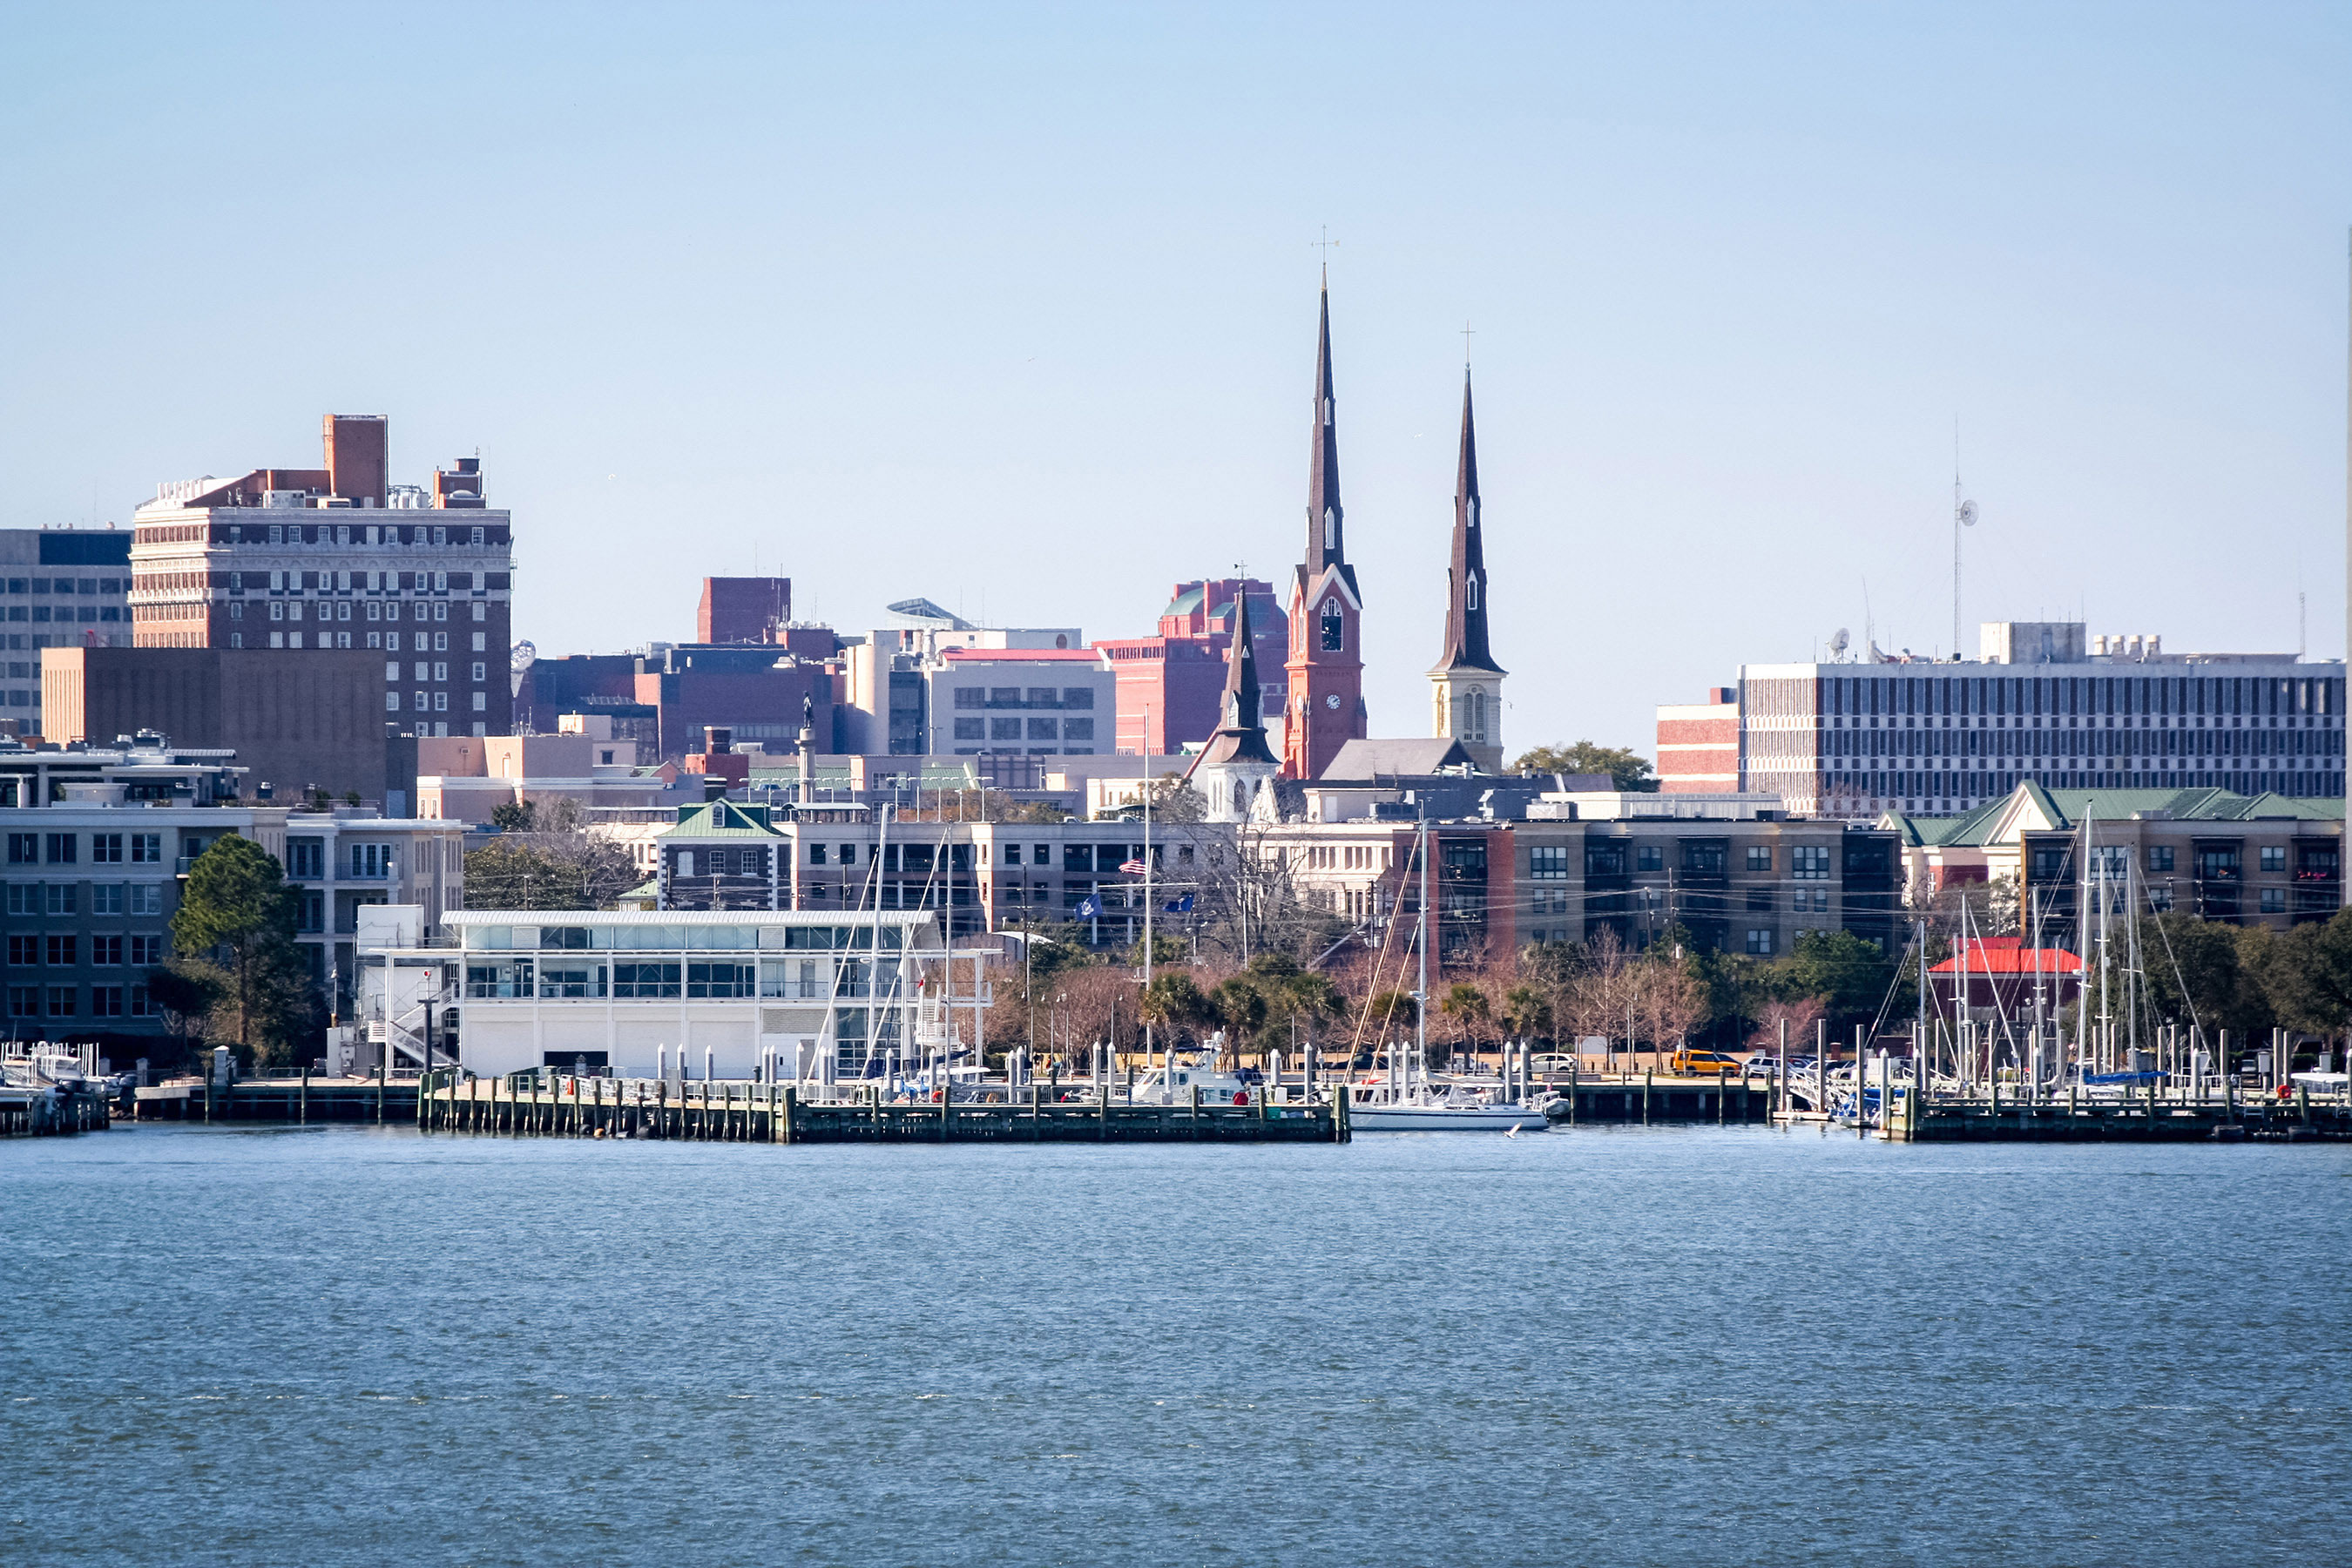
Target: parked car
1704 1064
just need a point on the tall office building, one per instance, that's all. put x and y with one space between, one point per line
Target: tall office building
2041 702
296 559
60 587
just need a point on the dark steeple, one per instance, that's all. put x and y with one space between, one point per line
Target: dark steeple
1326 518
1241 722
1466 579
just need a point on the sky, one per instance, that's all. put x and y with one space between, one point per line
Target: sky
1014 308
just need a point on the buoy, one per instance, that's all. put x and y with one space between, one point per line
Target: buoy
1241 1097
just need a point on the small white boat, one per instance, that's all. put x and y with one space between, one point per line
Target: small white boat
1426 1109
1202 1069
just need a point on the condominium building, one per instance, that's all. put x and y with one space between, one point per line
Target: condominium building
1169 684
95 866
2042 704
2267 860
297 560
1731 874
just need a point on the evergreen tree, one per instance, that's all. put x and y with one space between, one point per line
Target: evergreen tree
238 915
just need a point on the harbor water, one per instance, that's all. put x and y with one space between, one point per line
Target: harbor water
332 1345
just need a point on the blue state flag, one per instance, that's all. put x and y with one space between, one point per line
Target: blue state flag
1091 910
1182 906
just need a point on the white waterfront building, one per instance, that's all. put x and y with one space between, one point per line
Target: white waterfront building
735 994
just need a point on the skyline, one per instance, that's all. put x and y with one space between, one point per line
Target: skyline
781 286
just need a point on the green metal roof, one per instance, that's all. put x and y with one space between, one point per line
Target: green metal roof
2065 809
719 819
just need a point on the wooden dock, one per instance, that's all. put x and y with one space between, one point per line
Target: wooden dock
1650 1099
777 1113
2146 1117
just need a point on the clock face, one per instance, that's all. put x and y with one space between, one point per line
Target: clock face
1332 701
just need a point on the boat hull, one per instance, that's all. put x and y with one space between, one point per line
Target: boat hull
1443 1119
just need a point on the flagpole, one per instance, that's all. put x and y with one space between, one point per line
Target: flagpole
1141 1013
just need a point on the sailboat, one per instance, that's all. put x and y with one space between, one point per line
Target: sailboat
1405 1100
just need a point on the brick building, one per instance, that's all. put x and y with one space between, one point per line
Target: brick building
743 609
1699 743
294 561
1176 676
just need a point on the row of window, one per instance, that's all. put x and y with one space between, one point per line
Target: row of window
63 951
1085 858
105 848
91 614
2078 694
2075 742
1012 729
65 585
1024 696
103 898
434 702
292 610
348 533
64 1002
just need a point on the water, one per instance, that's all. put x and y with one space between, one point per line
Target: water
349 1345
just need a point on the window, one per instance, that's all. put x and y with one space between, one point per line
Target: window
644 980
62 1000
816 854
61 848
62 949
1012 854
481 670
440 702
24 1001
1004 729
482 705
106 899
971 729
1649 857
1810 862
146 950
481 613
24 897
1077 729
1548 862
2274 857
1759 857
2159 856
2273 900
1759 940
23 952
1077 697
106 950
440 671
392 702
1335 627
60 900
971 696
23 848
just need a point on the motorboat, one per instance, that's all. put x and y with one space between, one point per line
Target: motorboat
1201 1069
1411 1102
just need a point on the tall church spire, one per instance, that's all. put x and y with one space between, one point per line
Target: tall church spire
1465 577
1326 706
1466 695
1326 518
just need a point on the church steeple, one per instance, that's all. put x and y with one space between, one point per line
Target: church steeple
1465 577
1326 706
1467 698
1326 518
1236 767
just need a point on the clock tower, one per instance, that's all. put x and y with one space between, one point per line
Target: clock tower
1326 707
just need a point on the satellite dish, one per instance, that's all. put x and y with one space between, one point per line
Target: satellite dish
1838 643
1968 513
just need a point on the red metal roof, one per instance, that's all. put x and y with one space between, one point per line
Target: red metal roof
2008 955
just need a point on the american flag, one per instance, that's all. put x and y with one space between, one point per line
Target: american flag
1132 869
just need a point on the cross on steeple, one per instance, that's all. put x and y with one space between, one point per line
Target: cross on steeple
1327 245
1465 343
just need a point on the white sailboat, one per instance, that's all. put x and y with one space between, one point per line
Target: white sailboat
1405 1100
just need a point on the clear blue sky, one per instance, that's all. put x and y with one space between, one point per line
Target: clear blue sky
1014 308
